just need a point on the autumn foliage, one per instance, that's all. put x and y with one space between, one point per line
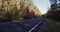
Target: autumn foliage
17 11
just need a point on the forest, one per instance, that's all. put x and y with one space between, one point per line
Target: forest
11 10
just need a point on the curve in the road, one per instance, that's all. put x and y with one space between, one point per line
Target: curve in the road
23 26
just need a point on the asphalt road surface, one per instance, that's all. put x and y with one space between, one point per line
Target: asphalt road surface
30 25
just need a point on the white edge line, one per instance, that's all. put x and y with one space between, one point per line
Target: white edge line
34 27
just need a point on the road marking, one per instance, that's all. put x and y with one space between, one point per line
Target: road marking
35 26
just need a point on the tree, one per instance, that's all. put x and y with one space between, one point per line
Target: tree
54 11
18 10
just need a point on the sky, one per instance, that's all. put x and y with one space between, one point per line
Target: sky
42 5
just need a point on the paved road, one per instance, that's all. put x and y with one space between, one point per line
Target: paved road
30 25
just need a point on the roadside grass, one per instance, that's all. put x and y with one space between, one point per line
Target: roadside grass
53 25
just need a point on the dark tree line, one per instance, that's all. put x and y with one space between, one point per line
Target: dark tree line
54 11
